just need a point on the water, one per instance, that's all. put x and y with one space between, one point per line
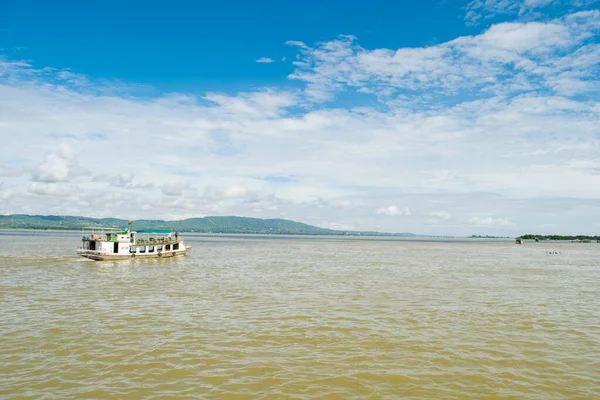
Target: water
301 318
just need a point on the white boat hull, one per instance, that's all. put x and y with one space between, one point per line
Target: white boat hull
99 256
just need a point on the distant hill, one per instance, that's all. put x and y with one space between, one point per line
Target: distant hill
201 225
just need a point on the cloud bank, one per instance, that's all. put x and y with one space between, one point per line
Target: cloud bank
497 131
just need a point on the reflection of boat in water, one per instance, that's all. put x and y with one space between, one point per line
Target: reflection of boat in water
116 245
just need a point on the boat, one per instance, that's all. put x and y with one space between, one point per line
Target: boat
114 244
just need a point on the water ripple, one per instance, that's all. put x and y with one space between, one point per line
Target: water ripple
298 319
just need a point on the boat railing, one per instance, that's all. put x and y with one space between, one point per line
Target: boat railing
152 240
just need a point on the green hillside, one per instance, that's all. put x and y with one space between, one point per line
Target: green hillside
201 225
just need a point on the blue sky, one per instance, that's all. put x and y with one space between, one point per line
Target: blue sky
190 45
441 117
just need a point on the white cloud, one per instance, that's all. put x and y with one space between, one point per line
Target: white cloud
73 79
479 10
296 43
442 215
57 167
488 221
51 188
264 60
235 191
508 58
11 171
393 210
504 123
173 188
264 104
438 218
125 179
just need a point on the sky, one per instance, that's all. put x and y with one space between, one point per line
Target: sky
436 117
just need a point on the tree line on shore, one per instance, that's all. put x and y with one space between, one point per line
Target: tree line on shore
559 237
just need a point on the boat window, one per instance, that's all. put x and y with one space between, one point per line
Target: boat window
176 246
92 245
159 248
168 247
150 249
142 249
115 247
